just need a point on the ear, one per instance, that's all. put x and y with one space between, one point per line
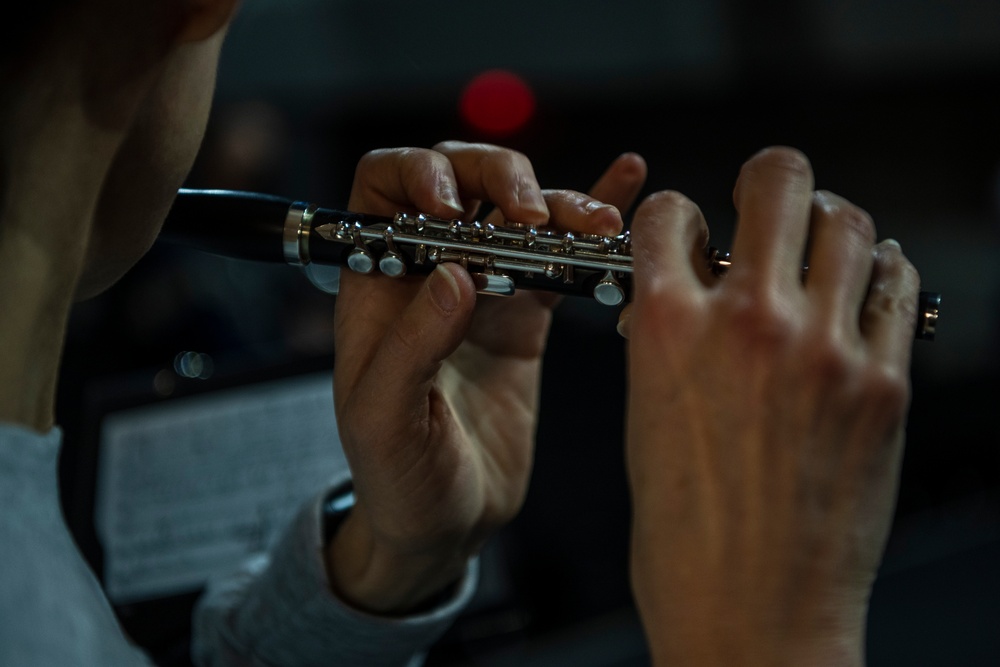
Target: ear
203 18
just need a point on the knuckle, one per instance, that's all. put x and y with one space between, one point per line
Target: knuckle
566 197
779 158
667 200
668 215
894 293
405 159
892 304
449 146
784 158
380 154
371 159
481 154
859 223
404 341
886 390
504 160
762 319
900 268
775 166
668 206
663 313
418 162
829 360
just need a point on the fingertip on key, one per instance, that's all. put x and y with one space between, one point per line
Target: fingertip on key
604 219
533 203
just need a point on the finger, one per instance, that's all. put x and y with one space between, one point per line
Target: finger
840 259
773 198
572 211
405 179
367 306
889 315
599 211
621 182
624 327
669 232
617 188
419 339
498 175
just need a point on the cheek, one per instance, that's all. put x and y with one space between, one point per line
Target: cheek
113 252
135 199
151 165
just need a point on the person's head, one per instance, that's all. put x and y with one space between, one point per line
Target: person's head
138 77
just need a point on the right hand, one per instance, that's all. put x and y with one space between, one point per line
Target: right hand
765 425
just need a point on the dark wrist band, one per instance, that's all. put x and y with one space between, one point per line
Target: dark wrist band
336 506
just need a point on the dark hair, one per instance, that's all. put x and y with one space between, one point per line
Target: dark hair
17 36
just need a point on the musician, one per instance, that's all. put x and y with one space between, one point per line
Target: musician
102 110
758 521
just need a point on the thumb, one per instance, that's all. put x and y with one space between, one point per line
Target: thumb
428 330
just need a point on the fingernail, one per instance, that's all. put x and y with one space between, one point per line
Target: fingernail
532 199
605 219
594 206
443 289
894 243
449 196
624 321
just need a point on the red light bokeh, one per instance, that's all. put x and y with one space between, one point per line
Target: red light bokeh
497 102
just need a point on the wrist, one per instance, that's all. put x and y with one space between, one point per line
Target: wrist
717 646
747 634
375 578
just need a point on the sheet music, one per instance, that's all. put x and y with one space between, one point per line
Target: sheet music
189 488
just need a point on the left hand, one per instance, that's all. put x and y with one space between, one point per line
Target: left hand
436 389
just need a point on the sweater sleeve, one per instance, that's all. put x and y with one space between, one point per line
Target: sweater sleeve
279 610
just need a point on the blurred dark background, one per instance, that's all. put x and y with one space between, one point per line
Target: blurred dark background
895 102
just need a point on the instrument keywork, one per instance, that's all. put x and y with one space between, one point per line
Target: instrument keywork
504 259
508 257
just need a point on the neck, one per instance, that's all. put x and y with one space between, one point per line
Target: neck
51 169
31 337
36 292
69 106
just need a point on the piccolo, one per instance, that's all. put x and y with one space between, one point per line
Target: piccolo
263 227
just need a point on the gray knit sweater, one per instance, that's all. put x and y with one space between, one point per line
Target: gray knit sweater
275 611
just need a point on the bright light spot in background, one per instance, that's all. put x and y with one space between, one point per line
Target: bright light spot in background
193 365
497 102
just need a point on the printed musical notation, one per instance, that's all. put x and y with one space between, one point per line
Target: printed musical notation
190 488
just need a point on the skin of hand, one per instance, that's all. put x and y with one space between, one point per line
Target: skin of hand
766 421
436 387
